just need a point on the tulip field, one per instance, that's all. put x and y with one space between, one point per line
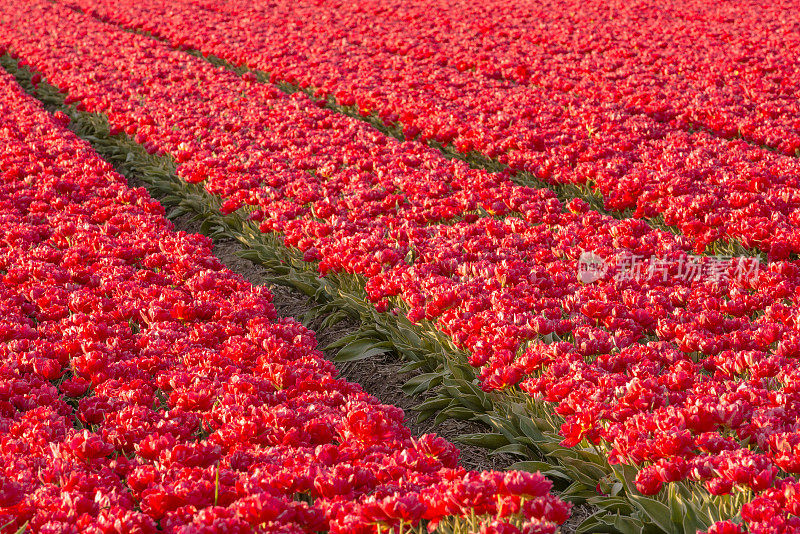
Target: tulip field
577 224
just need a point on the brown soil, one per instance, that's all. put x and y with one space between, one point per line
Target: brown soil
580 513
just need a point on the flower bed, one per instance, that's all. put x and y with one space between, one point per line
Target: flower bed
692 378
726 68
601 130
144 387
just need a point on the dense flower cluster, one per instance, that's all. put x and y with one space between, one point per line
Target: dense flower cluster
695 379
726 68
587 99
144 387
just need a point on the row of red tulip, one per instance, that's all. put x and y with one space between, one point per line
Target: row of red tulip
728 68
710 188
357 201
144 387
